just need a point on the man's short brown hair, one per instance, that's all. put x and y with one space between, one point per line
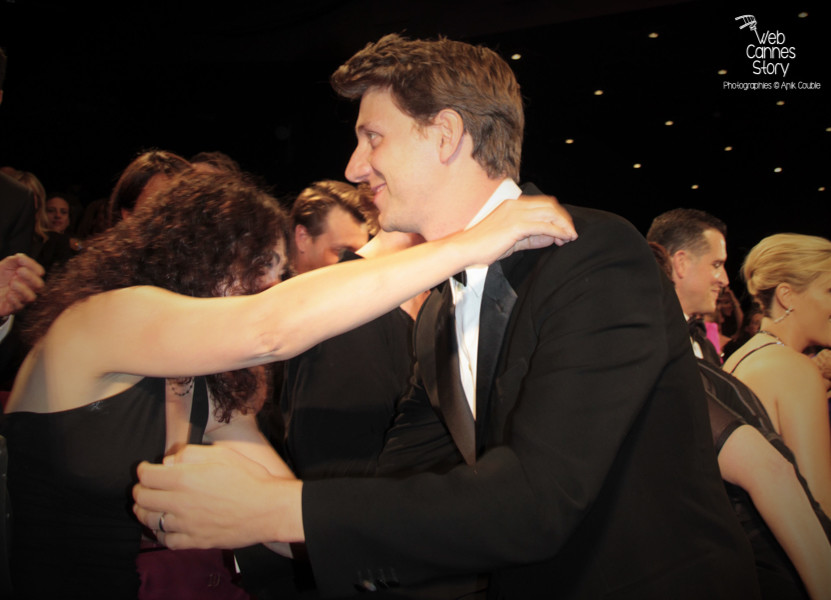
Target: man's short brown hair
425 77
683 229
313 204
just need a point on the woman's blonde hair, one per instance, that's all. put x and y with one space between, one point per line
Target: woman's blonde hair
790 258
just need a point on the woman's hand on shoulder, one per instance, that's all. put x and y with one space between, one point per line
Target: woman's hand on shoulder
525 223
822 360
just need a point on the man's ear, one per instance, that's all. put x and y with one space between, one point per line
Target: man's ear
301 237
680 261
451 130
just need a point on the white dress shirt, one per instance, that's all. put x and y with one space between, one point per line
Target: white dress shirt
468 299
695 345
5 327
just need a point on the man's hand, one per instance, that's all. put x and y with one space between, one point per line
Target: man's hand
214 497
20 280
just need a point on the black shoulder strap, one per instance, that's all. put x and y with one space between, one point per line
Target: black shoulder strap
199 411
736 366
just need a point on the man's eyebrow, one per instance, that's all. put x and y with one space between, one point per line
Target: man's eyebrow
365 126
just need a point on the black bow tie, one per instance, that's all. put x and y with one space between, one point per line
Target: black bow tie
697 327
461 277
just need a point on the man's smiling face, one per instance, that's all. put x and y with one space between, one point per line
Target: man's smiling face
397 158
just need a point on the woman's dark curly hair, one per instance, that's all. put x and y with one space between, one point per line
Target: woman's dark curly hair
210 232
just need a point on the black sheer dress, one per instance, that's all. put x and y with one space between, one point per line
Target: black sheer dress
732 404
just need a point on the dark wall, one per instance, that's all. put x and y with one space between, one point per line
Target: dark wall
87 90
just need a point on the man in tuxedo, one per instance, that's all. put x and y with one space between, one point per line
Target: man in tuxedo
695 243
555 435
17 207
20 276
17 217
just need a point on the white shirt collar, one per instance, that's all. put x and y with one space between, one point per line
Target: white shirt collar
507 189
695 345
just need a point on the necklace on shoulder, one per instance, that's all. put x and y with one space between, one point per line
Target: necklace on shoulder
776 337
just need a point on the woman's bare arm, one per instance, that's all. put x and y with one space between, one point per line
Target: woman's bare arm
149 331
749 461
803 423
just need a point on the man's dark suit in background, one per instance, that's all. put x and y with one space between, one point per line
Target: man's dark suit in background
17 217
339 397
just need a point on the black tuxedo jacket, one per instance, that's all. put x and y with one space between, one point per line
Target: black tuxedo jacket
17 217
594 475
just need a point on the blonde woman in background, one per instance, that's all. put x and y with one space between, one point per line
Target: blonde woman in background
790 276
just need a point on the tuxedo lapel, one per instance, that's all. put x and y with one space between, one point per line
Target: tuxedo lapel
425 342
437 352
438 356
498 299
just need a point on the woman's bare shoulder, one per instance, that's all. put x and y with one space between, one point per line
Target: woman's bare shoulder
757 356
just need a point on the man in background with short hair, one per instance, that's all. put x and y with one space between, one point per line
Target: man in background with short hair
329 218
695 243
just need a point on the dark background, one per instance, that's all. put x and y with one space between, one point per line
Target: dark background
88 88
